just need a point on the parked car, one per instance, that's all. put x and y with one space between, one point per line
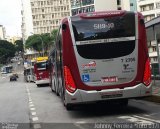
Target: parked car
13 77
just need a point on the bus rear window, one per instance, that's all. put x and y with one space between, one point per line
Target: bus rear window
105 38
104 28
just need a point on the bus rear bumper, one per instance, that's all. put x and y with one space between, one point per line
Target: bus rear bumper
38 82
82 96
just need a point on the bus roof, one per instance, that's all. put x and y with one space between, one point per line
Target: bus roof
40 59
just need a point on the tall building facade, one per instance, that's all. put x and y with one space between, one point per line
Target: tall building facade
47 14
27 23
2 33
84 6
13 39
133 5
149 8
42 16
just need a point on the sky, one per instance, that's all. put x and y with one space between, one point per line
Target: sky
10 16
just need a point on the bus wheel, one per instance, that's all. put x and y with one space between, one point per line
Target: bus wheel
57 90
69 107
53 90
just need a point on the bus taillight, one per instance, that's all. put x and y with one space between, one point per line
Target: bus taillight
69 82
147 73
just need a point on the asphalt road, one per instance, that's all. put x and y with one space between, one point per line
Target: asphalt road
39 108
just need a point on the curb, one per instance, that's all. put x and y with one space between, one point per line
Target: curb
153 98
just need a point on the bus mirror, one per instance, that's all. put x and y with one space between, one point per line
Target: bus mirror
64 26
141 21
47 65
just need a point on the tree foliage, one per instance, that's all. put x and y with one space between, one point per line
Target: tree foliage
35 41
7 50
19 45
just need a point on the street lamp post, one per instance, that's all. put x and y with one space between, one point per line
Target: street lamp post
42 44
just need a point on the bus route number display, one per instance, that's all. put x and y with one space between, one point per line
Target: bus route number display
103 26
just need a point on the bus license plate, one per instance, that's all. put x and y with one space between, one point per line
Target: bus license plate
115 94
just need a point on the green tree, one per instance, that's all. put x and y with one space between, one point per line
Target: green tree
19 45
54 34
35 41
7 51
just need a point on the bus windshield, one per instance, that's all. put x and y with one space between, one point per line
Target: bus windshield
41 65
110 37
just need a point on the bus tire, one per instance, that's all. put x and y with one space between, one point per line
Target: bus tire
69 107
57 89
51 85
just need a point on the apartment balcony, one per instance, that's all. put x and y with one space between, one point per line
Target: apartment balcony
153 54
145 2
148 12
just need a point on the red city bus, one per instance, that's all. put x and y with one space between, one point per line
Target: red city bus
101 56
41 71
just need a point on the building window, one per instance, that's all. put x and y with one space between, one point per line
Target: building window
151 6
131 4
119 8
158 5
155 59
33 17
154 49
32 4
118 2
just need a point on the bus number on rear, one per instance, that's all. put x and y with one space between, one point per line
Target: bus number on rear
103 26
128 60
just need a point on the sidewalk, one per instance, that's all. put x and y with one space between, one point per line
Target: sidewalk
155 92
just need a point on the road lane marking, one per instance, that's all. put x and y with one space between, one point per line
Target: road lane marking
157 121
37 126
81 122
78 125
31 105
32 109
131 119
152 114
137 120
33 113
35 118
140 120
